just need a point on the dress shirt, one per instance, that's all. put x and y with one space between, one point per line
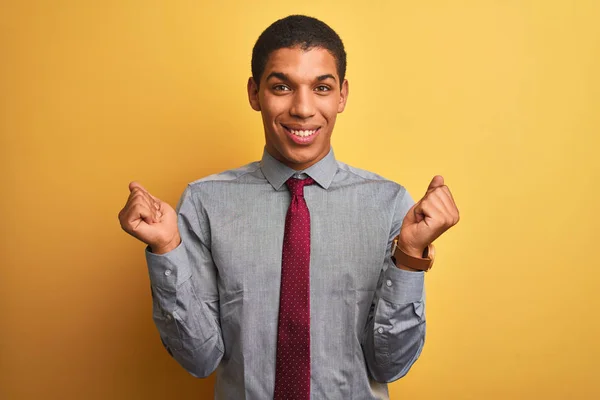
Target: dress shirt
216 296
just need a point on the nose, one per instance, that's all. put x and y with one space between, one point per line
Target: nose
303 105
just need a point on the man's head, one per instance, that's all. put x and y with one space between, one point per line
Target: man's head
298 84
297 31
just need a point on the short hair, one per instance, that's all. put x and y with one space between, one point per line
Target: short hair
297 31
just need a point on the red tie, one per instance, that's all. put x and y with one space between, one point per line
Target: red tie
292 373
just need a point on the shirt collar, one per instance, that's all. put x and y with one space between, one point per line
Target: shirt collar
277 173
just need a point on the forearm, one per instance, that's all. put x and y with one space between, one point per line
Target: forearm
188 325
395 331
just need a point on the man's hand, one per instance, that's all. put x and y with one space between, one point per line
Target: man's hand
150 220
428 218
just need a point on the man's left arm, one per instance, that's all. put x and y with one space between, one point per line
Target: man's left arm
395 331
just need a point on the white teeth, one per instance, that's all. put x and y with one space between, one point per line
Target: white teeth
302 133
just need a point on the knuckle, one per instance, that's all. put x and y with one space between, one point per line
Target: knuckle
442 225
140 200
125 225
138 206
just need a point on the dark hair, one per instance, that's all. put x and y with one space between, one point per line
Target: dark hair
297 30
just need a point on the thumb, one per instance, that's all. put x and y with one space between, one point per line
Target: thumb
436 182
134 184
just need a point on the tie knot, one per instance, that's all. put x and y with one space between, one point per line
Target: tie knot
296 186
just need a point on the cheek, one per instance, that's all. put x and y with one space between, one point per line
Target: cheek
272 107
329 108
268 117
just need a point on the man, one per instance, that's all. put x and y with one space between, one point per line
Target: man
283 274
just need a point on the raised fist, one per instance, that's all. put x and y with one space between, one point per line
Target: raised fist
428 218
150 220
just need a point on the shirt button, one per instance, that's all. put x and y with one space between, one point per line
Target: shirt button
380 330
168 272
388 283
168 316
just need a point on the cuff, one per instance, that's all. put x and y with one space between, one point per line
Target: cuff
401 287
168 270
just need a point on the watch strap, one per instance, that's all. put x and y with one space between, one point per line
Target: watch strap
422 264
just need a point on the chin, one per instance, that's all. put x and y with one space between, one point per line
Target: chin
294 155
309 157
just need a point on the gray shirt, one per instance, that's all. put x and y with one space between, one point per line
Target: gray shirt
216 296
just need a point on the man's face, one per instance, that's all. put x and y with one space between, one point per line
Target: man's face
299 98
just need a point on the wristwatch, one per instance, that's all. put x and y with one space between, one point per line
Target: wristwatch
422 264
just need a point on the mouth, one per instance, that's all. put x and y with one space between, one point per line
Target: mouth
302 135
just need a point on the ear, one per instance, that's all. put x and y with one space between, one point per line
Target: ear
343 96
253 94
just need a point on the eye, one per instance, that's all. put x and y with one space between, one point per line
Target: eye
281 88
322 88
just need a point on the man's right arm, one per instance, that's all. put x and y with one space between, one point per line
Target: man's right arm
183 283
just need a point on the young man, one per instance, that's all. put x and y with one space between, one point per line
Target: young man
283 274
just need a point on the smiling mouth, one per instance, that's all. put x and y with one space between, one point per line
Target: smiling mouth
302 133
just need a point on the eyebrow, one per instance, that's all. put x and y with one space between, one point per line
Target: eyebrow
326 76
284 77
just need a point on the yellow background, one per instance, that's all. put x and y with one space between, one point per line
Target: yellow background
502 98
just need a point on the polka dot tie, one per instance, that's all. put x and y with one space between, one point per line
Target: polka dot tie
292 373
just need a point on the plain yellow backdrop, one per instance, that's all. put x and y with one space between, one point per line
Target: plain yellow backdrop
502 98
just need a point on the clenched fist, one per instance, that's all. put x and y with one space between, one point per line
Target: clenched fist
150 220
431 216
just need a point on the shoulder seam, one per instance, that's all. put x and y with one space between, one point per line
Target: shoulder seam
379 179
202 180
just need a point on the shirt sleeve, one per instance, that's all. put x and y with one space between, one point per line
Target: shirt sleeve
395 331
185 295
